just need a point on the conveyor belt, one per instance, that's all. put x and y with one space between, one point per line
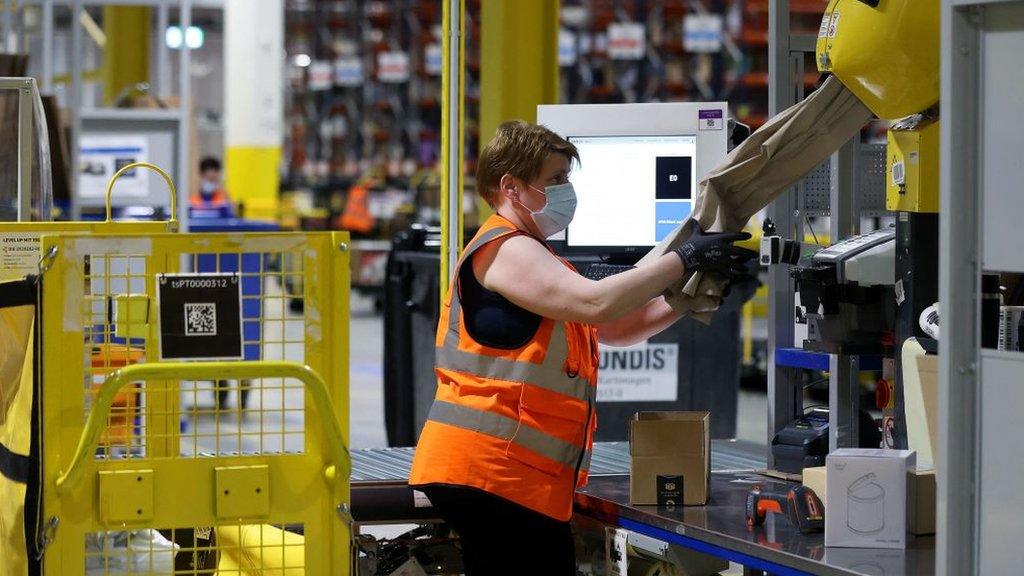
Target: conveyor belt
380 493
610 458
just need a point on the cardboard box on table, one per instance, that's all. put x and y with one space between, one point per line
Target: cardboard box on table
669 443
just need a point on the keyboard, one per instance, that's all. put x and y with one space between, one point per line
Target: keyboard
599 270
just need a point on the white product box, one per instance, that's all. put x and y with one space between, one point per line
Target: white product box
868 499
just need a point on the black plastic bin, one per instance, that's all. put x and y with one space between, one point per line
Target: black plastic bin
411 308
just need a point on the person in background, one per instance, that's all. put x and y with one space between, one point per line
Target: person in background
211 200
509 435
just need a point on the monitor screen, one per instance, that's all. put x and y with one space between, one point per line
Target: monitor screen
632 190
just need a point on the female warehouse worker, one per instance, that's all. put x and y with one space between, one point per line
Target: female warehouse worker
508 438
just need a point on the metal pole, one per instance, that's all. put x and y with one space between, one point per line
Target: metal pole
47 58
26 142
454 157
844 371
184 118
956 550
784 392
163 63
10 42
843 401
75 104
844 213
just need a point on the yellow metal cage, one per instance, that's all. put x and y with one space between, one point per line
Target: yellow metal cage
146 469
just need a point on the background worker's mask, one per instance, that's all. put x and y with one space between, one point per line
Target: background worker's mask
207 189
558 211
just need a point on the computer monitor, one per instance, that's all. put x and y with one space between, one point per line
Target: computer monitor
638 172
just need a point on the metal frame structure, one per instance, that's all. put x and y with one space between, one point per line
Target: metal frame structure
453 80
161 83
785 395
979 459
785 57
26 141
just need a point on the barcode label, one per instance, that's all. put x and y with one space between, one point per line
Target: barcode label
899 173
200 319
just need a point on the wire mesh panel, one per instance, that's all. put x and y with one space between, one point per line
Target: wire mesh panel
113 333
206 466
262 416
816 187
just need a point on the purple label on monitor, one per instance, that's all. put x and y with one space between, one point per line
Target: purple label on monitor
710 120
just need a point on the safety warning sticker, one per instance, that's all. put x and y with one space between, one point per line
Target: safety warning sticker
823 29
833 24
19 255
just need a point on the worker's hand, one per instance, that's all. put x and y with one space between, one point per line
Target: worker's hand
714 252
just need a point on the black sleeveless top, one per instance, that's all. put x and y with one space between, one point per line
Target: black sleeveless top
490 318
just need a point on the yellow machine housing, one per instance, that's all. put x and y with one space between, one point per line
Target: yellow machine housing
912 166
885 51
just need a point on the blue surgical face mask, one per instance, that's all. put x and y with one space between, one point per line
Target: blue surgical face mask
558 211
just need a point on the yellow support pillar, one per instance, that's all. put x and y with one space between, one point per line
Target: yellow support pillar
253 91
126 55
518 61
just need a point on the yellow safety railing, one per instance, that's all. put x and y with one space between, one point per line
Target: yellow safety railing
314 384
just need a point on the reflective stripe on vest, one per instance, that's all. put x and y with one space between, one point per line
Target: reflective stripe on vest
505 428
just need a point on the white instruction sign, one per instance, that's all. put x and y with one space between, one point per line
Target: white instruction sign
19 255
703 33
348 72
647 372
100 156
393 67
627 41
321 75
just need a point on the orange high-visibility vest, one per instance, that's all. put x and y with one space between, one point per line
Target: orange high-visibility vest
218 199
518 424
356 215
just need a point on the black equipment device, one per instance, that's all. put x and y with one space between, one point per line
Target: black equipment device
804 442
800 504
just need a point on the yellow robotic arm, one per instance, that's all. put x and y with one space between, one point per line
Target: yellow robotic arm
885 51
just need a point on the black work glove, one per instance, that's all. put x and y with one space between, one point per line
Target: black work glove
714 252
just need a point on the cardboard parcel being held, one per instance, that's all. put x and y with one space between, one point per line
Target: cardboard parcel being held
766 164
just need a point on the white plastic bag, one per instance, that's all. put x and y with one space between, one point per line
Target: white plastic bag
134 552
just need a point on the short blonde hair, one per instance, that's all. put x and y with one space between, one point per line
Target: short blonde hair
518 148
